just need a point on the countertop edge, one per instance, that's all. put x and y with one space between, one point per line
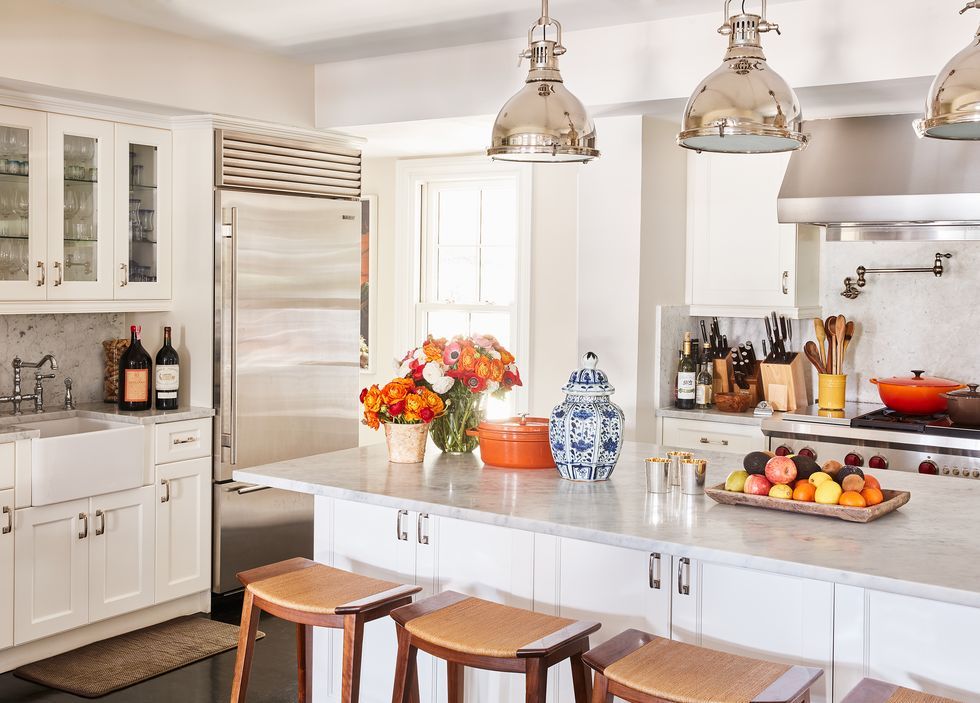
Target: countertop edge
712 415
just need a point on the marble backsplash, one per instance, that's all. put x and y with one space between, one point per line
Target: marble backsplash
74 340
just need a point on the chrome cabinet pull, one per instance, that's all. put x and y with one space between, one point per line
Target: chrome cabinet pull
84 518
187 440
423 538
8 528
705 440
124 275
785 282
654 570
230 232
41 277
57 268
684 582
100 529
246 491
401 534
165 498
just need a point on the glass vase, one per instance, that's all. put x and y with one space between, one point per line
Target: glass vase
464 412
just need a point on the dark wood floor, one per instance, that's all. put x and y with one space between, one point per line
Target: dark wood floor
273 673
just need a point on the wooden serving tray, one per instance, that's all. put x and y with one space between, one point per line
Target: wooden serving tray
893 501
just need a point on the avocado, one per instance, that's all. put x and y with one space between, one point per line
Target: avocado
755 462
805 466
851 478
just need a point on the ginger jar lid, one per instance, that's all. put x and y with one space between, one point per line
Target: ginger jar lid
589 380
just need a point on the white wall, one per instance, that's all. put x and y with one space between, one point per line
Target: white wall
50 45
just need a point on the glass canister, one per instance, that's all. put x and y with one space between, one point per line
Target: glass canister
586 429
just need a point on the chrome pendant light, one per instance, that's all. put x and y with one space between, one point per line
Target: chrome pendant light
543 122
953 106
744 107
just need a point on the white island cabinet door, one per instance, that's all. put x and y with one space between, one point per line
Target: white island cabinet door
51 563
485 561
183 528
375 541
754 613
121 554
6 568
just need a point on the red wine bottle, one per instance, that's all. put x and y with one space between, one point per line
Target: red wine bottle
167 377
134 375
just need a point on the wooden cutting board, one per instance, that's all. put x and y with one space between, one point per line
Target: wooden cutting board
893 501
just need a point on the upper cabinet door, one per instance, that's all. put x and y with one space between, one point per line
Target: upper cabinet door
80 196
142 216
23 261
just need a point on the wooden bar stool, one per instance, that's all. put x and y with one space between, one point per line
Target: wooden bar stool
875 691
467 631
643 668
313 595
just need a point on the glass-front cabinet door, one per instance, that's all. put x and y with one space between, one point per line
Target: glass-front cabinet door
142 251
80 197
22 215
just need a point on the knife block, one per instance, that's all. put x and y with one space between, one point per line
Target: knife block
785 384
722 375
756 391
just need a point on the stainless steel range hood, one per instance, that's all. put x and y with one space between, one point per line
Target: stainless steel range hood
875 174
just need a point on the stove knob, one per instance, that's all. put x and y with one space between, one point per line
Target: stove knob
853 459
877 462
945 471
783 450
807 451
956 472
976 473
928 467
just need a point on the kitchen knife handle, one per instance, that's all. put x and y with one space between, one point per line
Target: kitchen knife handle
654 571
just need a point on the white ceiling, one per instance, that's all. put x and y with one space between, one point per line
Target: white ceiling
318 31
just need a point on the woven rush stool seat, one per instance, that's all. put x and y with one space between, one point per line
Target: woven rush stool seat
641 667
313 595
875 691
468 631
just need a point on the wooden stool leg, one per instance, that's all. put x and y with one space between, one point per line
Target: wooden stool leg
246 645
580 677
536 681
304 660
406 687
351 677
600 693
455 676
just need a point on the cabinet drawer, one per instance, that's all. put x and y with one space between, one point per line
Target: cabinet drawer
177 441
7 459
716 436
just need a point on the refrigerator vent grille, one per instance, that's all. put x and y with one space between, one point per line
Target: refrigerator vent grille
287 166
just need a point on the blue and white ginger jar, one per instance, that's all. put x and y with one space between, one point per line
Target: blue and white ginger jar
586 430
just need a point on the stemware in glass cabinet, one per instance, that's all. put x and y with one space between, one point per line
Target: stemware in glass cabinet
81 226
143 203
14 203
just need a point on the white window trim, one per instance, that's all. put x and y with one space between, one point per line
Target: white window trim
410 176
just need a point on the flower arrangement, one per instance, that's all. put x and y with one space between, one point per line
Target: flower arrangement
400 402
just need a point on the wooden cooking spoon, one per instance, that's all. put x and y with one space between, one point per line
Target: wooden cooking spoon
840 328
848 336
821 340
829 326
810 349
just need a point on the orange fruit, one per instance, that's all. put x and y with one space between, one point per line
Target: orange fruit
852 499
872 496
804 491
871 482
801 482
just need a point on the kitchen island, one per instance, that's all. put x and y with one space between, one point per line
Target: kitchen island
898 598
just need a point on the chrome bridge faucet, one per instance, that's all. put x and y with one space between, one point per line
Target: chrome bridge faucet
17 397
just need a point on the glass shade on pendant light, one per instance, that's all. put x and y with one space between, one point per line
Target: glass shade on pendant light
744 107
953 105
543 122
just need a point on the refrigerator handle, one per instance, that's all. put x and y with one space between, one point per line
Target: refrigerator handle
231 439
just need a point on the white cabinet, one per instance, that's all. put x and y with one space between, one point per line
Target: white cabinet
740 260
700 435
121 553
51 569
755 613
183 526
6 568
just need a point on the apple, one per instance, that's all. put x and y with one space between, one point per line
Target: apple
781 469
757 485
736 481
781 490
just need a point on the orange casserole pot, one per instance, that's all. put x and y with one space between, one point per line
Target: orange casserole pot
515 443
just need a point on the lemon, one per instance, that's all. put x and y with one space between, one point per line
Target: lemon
828 493
819 477
781 490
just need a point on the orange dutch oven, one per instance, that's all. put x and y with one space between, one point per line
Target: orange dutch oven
919 395
515 443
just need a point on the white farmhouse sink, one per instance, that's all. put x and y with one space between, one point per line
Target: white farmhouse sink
80 457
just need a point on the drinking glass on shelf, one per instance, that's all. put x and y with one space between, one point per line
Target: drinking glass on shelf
71 203
135 228
146 220
22 208
137 174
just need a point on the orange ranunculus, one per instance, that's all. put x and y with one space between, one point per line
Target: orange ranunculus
413 405
467 358
496 370
371 420
397 390
432 350
433 402
483 368
372 400
506 357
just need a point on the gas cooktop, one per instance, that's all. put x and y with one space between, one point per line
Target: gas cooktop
939 424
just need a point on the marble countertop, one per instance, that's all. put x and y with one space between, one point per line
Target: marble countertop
713 415
928 548
10 430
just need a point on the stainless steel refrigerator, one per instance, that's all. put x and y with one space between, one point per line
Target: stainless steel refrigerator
287 311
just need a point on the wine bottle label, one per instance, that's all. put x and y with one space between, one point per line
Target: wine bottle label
167 378
701 395
137 386
685 385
